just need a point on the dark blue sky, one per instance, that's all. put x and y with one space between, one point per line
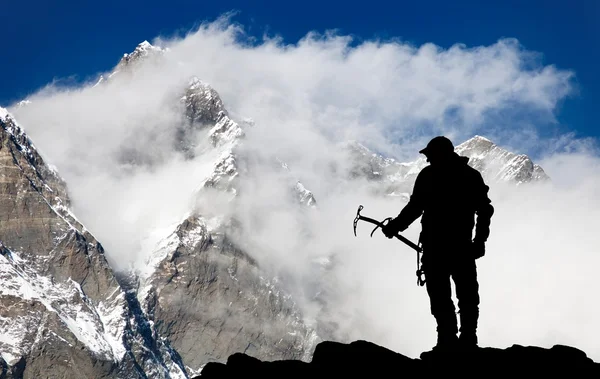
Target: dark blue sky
46 40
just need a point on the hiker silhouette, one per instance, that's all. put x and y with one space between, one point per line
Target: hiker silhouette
453 200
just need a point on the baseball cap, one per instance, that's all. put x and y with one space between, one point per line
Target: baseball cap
439 144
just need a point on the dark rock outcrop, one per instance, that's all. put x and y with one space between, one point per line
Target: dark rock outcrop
366 359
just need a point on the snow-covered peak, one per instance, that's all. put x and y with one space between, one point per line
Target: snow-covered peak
477 144
142 51
357 147
203 104
480 139
145 45
3 113
368 164
304 195
196 83
498 164
146 48
394 178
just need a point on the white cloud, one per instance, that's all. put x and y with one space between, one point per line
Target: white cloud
537 282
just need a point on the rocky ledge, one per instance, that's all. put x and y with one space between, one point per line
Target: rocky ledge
333 359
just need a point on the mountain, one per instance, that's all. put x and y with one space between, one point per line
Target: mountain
198 297
203 293
234 305
62 310
497 164
142 51
393 178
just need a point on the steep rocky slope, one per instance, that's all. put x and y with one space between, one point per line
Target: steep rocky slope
197 284
61 307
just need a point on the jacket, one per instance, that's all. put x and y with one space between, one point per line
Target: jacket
452 199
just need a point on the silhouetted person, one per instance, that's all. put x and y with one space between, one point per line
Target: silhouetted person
453 200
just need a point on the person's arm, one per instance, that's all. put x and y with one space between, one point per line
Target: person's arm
411 211
483 209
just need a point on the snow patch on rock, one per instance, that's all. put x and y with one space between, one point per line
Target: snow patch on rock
99 329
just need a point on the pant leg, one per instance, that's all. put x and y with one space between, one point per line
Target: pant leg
437 282
467 292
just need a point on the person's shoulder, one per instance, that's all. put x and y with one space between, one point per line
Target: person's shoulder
472 170
425 172
424 176
475 178
464 164
471 173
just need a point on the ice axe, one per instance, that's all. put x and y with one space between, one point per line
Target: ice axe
381 224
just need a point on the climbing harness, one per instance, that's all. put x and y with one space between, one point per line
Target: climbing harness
381 224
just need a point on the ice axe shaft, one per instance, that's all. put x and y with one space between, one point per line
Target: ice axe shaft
381 224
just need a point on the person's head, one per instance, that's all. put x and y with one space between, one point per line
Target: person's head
439 149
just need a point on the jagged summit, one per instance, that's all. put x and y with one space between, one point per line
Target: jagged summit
480 139
495 163
203 104
498 164
145 45
204 110
143 50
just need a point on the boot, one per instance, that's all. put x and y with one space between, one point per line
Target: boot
446 344
468 329
468 340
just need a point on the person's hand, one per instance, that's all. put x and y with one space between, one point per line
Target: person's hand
392 228
477 249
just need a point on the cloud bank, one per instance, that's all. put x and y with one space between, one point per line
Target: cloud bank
537 281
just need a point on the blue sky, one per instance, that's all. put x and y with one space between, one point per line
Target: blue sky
72 40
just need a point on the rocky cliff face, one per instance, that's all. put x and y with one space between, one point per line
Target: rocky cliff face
207 290
62 310
198 285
